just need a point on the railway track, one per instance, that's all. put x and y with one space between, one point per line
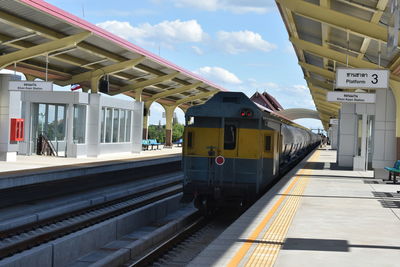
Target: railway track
186 244
22 238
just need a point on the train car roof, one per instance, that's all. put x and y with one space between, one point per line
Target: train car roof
234 102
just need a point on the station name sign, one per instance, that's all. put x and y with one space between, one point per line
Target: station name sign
350 97
362 78
30 86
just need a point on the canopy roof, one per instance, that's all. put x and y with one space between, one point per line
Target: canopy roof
33 31
328 34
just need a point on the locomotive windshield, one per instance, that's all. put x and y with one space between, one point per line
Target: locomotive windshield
230 136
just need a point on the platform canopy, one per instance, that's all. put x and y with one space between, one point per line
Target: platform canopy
328 34
34 34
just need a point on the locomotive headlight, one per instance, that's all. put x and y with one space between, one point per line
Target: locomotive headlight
246 113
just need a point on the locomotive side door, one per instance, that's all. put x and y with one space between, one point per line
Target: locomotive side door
230 138
228 148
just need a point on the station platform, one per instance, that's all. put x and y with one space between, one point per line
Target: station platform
35 161
316 215
30 170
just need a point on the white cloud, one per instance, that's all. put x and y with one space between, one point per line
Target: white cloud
235 6
218 75
167 33
197 50
122 12
242 41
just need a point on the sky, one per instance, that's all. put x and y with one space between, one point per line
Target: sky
241 45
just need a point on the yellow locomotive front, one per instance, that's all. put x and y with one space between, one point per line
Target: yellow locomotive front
230 154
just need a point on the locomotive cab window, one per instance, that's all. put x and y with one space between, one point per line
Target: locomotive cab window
230 136
268 144
189 121
190 139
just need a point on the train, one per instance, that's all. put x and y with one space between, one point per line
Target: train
234 148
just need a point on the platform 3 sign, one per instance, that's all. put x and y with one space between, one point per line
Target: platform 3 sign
362 78
30 86
350 97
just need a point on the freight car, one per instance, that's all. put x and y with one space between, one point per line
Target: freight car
234 149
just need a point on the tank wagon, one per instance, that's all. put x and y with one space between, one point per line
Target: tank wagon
234 148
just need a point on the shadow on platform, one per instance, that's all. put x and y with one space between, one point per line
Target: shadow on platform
333 176
326 166
311 244
326 245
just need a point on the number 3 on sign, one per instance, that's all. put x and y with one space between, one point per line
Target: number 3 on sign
375 80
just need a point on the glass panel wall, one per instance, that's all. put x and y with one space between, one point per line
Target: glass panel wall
79 124
128 125
108 125
60 123
103 120
116 125
122 126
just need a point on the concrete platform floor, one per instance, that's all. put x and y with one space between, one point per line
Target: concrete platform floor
34 161
317 215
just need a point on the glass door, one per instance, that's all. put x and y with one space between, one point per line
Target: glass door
49 120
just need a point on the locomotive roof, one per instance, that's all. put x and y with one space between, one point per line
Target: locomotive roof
229 105
225 104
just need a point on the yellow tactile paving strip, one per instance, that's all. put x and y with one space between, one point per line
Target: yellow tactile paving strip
268 246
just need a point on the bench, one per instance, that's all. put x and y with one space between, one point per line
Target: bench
145 144
179 142
394 171
153 142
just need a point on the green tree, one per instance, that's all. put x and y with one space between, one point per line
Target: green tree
177 131
157 132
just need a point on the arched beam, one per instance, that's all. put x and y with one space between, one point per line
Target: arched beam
195 97
175 91
42 49
87 76
141 85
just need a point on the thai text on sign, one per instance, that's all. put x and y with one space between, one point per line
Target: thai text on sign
362 78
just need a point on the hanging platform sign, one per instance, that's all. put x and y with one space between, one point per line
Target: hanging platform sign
334 121
350 97
362 78
30 86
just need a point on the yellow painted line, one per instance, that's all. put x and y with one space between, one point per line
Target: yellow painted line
266 253
253 236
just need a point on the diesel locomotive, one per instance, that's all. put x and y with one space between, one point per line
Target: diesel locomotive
234 148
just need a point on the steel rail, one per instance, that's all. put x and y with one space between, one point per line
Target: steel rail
167 245
51 229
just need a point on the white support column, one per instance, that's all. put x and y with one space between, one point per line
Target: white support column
10 107
137 127
384 148
69 130
333 136
25 147
347 135
93 125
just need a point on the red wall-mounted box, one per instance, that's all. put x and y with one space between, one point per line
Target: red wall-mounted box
17 130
